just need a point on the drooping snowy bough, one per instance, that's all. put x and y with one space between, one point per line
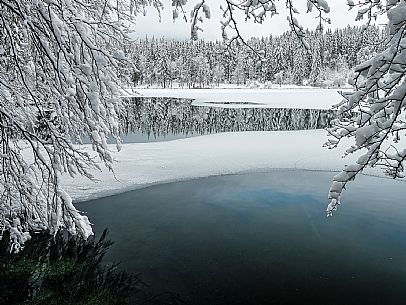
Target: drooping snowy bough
379 105
255 10
59 67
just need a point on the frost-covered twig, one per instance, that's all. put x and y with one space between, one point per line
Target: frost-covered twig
59 67
379 100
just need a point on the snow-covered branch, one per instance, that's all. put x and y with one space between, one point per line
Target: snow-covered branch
59 67
379 100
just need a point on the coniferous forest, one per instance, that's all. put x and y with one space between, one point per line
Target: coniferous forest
274 59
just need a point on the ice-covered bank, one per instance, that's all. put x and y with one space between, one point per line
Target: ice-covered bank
140 164
301 98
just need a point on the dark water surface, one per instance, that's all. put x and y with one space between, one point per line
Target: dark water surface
262 239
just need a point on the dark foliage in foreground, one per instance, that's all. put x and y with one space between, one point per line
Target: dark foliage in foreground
67 270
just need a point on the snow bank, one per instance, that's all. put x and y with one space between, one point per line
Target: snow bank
140 164
271 98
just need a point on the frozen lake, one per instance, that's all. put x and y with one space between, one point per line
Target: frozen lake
261 238
300 98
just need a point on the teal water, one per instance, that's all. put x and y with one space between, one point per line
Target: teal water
262 238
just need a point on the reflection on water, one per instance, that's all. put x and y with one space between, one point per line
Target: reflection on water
262 239
171 118
66 270
61 270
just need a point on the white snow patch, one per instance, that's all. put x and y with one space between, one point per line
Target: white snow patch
268 98
140 164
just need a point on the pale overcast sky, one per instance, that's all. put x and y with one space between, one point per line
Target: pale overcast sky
149 25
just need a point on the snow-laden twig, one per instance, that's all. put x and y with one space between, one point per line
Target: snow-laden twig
60 63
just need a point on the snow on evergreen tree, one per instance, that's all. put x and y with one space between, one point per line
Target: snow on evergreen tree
218 74
280 53
238 75
317 57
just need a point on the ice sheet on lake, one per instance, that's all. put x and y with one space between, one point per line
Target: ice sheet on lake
277 98
140 164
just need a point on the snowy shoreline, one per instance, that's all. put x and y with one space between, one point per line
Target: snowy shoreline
143 164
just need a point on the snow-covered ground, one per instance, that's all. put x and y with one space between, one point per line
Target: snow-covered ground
302 98
140 164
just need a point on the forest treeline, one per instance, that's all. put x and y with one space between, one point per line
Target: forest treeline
274 59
